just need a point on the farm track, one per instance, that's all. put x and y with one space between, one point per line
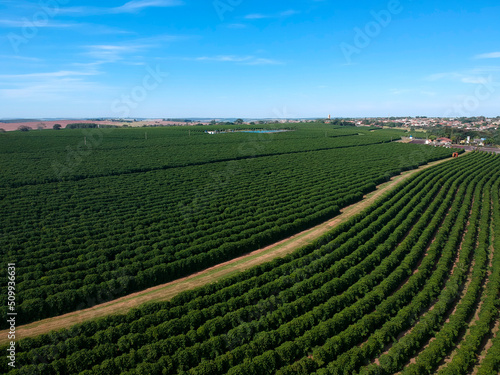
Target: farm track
212 274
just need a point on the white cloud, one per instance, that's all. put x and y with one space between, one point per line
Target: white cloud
491 55
477 76
116 52
400 91
133 6
25 58
447 75
246 60
137 5
485 70
87 28
263 61
224 58
256 16
412 91
27 23
237 26
112 53
475 80
47 85
56 89
286 13
466 77
59 74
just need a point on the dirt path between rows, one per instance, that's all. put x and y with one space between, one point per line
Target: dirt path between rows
167 291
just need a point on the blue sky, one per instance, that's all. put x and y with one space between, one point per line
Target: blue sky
242 58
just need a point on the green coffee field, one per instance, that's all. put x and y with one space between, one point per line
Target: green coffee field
106 229
409 285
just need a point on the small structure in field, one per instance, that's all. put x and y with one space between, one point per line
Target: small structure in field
443 141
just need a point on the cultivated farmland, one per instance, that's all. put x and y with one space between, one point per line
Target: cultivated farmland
106 229
409 285
419 266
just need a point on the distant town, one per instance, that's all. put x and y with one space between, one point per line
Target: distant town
479 123
469 123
